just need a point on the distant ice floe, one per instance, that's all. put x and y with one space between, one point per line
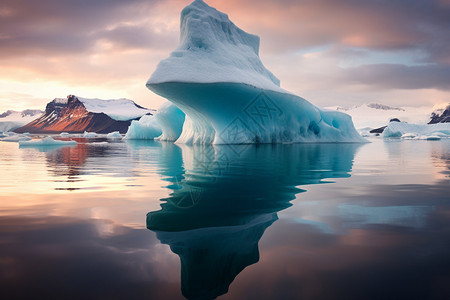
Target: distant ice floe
47 141
13 137
114 135
417 131
89 134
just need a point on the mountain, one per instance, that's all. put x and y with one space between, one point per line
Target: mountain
441 115
12 119
374 115
76 115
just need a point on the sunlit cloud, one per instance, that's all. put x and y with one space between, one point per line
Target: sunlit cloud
331 52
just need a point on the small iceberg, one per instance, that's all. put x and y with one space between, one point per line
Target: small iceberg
147 128
171 120
89 134
47 141
114 135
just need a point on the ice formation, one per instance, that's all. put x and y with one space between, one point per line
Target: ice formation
165 125
216 77
47 141
114 135
147 128
171 120
87 134
369 116
416 131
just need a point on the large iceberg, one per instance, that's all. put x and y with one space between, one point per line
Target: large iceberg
216 77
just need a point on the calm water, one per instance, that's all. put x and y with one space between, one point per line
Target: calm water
149 220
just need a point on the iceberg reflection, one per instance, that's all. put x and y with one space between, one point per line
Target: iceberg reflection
227 197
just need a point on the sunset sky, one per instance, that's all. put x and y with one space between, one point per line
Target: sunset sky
331 52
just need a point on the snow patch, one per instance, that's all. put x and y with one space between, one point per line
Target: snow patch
117 109
214 49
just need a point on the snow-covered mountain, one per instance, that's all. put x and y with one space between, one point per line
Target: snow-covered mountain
11 119
370 116
75 114
441 115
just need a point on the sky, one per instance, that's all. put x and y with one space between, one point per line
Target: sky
330 52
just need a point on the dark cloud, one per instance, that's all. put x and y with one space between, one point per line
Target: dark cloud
288 25
57 27
393 76
63 257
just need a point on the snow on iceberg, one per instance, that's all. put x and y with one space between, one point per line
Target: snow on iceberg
165 125
417 131
47 141
216 77
147 128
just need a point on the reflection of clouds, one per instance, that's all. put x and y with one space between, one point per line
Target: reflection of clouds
56 256
300 262
441 157
407 215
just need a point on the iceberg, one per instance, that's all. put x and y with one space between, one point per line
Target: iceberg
146 128
114 135
171 120
165 125
47 141
87 134
217 79
417 131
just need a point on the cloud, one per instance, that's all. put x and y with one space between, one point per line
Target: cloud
386 24
113 45
53 27
392 76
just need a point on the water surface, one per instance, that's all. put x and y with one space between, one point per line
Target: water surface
149 220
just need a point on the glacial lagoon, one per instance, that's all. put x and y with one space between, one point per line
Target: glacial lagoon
155 220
